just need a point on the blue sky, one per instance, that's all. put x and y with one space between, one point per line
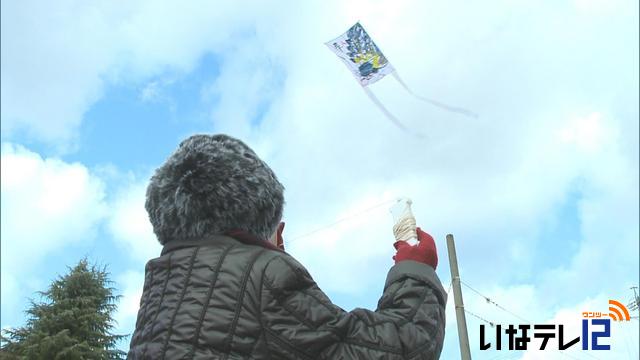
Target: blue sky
541 191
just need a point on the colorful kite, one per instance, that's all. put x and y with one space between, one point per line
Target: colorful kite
367 63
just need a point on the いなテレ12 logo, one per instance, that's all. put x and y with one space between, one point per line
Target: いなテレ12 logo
617 312
596 328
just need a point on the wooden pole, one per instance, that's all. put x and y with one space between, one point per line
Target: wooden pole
463 336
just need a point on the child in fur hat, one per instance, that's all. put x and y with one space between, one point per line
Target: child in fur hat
223 287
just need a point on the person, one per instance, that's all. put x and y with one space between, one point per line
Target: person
224 288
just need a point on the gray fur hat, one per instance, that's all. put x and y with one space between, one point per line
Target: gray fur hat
210 185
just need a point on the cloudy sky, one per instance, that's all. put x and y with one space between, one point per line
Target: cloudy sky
540 191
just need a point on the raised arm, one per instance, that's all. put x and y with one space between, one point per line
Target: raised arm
301 322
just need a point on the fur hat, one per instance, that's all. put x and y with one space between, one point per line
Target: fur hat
210 185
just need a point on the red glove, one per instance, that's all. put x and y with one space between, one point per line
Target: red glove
279 239
424 252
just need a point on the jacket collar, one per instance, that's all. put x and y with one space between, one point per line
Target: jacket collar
214 240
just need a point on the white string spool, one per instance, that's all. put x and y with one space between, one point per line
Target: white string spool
404 227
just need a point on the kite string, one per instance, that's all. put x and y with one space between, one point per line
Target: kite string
297 237
431 101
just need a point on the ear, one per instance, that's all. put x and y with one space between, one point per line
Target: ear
279 239
276 234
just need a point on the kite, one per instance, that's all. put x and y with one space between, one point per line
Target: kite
367 63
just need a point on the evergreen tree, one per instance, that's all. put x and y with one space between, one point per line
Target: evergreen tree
73 322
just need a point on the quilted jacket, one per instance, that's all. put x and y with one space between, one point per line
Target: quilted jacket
221 298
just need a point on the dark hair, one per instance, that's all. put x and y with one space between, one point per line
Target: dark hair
210 185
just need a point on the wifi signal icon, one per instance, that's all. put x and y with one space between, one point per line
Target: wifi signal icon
618 312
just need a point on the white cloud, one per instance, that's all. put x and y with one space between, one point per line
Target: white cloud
53 60
490 181
47 204
586 133
130 284
62 56
129 223
544 132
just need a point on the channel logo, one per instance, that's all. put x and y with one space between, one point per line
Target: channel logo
618 312
596 329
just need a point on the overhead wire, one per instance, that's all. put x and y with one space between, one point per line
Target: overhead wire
489 300
491 323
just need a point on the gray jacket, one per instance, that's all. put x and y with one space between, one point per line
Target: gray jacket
221 298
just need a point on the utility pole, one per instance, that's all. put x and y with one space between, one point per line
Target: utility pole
463 336
635 302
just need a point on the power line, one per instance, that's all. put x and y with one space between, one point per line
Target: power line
491 323
488 299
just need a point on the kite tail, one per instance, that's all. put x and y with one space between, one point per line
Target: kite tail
434 102
388 114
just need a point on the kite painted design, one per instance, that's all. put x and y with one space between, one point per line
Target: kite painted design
361 55
366 62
